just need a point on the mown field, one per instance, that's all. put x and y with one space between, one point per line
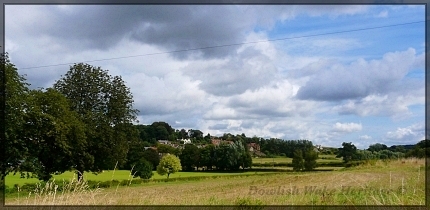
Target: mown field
399 182
11 180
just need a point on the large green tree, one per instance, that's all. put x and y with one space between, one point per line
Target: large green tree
348 152
189 157
136 149
152 156
53 133
13 92
207 156
105 104
142 169
246 158
229 156
310 157
298 161
377 147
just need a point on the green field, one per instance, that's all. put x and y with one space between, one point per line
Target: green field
397 182
11 179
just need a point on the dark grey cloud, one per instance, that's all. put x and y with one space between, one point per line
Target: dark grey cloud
172 27
196 27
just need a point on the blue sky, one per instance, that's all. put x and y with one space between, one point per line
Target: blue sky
363 86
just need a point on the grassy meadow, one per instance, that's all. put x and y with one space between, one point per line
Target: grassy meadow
11 179
108 175
397 182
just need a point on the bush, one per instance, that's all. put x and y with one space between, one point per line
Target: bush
143 169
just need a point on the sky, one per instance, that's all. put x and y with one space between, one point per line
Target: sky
325 73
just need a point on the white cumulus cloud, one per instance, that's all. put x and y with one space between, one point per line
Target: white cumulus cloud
346 127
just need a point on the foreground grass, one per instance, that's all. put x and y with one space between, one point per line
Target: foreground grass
394 183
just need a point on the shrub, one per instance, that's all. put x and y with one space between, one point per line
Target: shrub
143 169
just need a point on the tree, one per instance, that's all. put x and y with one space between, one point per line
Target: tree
161 133
207 155
196 134
164 148
169 164
143 169
377 147
134 154
367 155
298 162
183 134
54 134
310 160
224 156
189 157
152 156
348 152
420 150
105 105
229 156
246 159
14 90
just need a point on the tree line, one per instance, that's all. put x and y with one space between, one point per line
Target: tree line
349 151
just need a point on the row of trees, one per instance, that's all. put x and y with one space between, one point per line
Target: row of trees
221 157
349 151
163 131
169 164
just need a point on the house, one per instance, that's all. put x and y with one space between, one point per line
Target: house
154 148
253 147
201 146
164 142
177 146
186 141
318 148
216 142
